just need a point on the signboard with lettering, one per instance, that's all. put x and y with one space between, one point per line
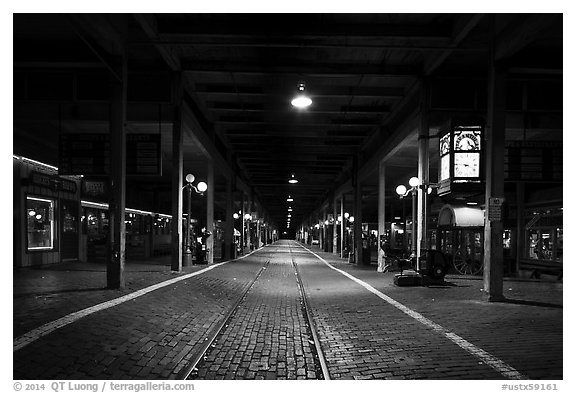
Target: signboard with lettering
52 182
89 154
539 161
84 154
95 188
495 209
143 154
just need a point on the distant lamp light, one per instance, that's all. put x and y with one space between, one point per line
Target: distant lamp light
346 215
340 218
31 213
247 216
301 100
326 222
38 216
351 219
472 203
293 180
236 216
414 181
289 199
317 226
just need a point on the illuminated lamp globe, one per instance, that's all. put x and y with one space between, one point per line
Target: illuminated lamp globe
292 180
38 216
346 215
202 186
352 219
401 189
247 216
414 181
190 178
31 213
235 215
301 101
326 222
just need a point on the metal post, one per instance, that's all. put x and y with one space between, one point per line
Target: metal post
414 225
423 174
177 175
117 228
495 137
381 214
187 261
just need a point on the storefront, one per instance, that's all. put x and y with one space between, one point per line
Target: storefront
46 214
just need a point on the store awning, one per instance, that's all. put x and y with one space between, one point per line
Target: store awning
461 216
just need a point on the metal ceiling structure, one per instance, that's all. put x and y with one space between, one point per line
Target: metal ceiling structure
363 72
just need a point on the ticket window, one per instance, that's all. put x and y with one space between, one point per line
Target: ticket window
40 224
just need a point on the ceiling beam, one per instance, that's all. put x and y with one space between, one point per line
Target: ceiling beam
329 69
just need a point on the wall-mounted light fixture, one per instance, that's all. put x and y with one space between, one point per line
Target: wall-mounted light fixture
301 100
293 180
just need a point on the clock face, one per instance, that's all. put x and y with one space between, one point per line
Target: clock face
466 165
467 140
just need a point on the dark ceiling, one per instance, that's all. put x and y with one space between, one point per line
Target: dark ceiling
240 71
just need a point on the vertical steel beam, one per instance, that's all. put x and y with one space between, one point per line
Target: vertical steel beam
177 173
494 140
229 229
357 225
335 228
520 238
117 228
423 173
210 214
381 213
342 225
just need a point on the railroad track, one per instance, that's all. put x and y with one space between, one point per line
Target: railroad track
214 337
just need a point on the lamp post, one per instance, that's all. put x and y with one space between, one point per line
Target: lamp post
402 191
199 189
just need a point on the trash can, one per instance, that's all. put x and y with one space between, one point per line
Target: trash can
434 265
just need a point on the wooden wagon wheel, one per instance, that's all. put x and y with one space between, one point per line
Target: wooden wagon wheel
466 265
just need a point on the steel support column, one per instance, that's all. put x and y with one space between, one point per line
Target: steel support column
494 139
177 174
210 214
381 215
117 228
423 174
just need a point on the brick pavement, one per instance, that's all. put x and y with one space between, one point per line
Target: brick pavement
42 295
372 339
153 336
268 336
146 338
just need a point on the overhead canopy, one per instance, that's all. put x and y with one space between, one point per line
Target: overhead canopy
461 216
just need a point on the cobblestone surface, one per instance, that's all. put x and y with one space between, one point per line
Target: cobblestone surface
145 338
370 335
267 337
363 336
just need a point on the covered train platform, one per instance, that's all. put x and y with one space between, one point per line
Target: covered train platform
221 196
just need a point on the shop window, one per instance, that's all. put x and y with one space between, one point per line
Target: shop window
507 239
40 223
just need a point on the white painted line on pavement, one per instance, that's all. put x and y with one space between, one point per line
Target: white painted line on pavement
497 364
35 334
